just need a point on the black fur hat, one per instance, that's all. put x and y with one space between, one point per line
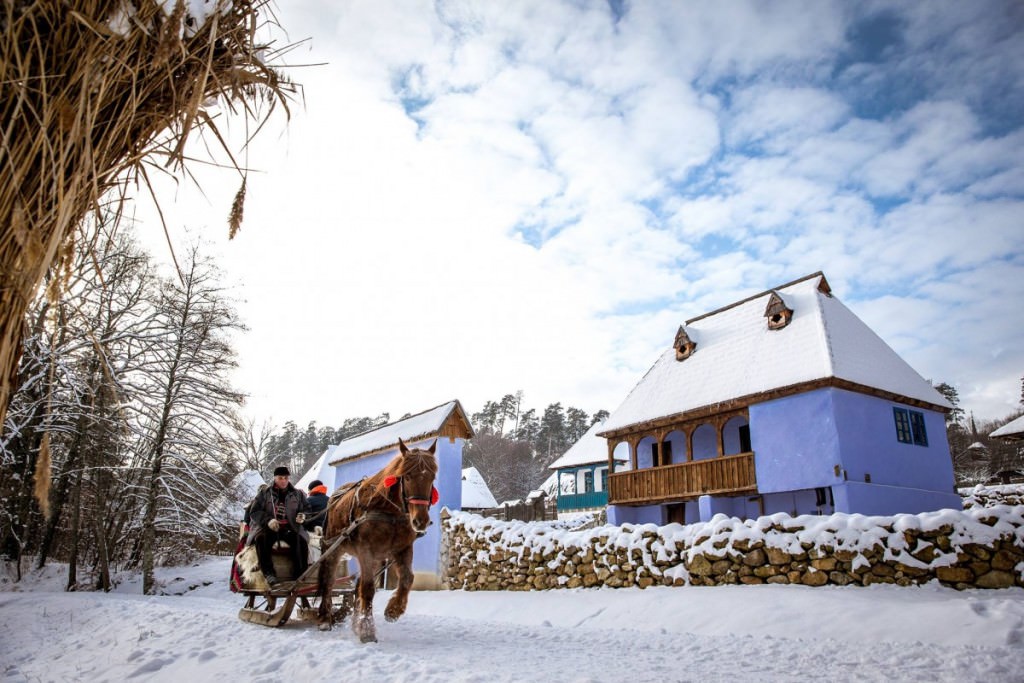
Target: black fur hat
281 471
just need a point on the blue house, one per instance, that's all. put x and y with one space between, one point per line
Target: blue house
782 402
365 454
582 474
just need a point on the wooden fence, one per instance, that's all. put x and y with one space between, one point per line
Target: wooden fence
537 510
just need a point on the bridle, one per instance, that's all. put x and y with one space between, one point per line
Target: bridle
410 498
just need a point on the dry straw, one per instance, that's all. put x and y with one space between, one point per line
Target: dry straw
94 91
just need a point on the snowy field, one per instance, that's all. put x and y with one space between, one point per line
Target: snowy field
727 633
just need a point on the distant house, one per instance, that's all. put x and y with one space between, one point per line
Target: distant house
365 454
581 473
476 495
782 402
1011 431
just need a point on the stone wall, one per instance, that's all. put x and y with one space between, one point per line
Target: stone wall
979 548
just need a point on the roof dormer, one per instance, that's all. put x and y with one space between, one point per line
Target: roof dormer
683 345
777 312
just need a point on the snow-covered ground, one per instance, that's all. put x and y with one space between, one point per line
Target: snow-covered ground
769 633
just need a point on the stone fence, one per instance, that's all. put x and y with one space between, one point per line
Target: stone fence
977 548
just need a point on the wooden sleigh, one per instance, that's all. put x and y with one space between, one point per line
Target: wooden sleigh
272 606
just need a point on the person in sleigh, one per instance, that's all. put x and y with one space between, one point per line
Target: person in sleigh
278 513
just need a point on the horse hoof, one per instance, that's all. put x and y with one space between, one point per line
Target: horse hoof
324 627
369 638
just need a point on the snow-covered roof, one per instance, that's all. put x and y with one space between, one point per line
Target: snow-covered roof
589 449
550 485
738 356
421 426
475 493
1013 428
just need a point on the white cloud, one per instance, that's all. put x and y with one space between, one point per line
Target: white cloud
565 190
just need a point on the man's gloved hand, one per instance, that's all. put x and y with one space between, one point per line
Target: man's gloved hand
274 525
300 518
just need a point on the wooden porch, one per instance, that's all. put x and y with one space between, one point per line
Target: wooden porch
730 474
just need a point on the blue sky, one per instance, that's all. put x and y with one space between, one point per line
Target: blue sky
480 197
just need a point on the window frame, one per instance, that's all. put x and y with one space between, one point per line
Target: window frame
901 416
910 426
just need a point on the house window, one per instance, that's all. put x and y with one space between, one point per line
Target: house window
588 481
745 439
910 426
604 479
666 453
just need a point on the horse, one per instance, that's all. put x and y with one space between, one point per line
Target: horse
381 515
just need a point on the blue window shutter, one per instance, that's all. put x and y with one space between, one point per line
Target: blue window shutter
917 427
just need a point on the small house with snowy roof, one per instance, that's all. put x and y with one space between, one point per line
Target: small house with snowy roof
582 474
1011 431
782 402
365 454
476 494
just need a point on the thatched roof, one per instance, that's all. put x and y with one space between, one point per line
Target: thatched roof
92 92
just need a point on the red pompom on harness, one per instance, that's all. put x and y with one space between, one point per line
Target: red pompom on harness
390 481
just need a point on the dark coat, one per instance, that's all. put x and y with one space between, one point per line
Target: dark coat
261 511
317 504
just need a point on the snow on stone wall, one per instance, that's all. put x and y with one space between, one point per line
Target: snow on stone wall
978 547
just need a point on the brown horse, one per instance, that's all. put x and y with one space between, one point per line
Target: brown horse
383 515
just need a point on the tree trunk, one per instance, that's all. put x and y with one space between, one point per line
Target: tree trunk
149 530
102 560
76 518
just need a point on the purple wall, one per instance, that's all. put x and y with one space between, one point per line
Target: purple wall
647 514
705 442
795 442
868 445
875 499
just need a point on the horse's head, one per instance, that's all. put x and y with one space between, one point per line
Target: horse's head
414 477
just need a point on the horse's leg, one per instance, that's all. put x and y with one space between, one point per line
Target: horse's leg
325 584
400 598
362 619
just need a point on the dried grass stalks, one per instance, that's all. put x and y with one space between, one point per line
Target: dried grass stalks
91 91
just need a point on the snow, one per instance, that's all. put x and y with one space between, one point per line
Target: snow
737 355
772 633
475 493
1012 428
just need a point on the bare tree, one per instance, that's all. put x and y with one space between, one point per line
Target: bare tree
182 428
251 442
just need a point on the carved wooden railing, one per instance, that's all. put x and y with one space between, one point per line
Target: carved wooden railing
731 474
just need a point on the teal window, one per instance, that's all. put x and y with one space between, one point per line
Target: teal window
588 481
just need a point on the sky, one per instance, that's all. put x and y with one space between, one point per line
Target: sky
475 198
722 633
